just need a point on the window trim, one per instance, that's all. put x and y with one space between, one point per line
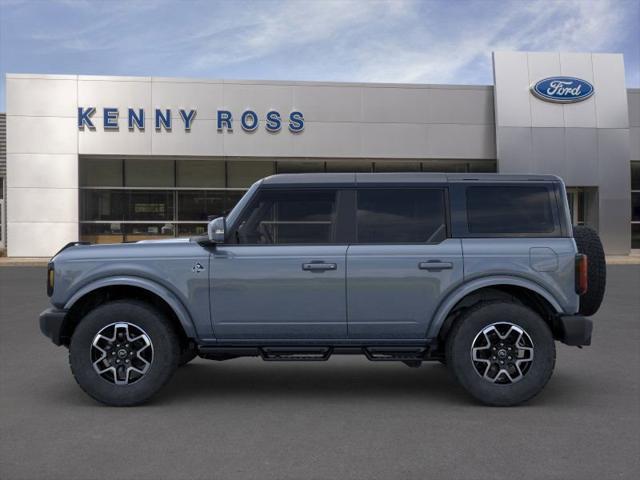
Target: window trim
444 190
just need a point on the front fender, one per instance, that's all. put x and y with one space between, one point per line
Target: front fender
176 305
454 297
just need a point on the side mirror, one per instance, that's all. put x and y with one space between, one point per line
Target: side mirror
216 230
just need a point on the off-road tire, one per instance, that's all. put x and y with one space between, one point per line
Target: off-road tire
588 243
187 354
165 344
467 328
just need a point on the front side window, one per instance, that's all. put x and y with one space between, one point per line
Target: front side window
289 217
401 216
509 210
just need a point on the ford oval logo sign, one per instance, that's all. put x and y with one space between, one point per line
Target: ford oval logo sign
562 89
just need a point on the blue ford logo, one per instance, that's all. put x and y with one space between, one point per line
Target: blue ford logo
562 89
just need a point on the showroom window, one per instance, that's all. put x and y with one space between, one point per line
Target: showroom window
138 199
130 199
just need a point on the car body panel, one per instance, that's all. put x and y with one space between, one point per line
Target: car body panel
262 291
390 296
449 302
164 268
546 262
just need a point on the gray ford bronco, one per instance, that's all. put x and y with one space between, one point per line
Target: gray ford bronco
480 272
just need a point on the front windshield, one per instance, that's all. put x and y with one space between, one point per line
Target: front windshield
233 214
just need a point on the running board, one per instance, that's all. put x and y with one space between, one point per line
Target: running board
299 354
395 354
319 353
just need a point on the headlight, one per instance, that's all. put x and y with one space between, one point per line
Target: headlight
51 274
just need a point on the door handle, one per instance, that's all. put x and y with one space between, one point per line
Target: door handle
435 266
319 266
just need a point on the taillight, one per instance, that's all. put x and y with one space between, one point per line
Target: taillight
50 278
582 282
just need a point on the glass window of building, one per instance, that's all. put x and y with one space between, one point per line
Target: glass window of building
200 174
342 166
149 205
242 174
459 166
200 205
101 172
298 166
102 205
393 166
149 173
482 166
106 232
148 231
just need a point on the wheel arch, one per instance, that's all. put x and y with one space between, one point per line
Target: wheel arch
116 288
519 289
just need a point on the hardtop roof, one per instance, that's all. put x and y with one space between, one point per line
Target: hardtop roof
354 179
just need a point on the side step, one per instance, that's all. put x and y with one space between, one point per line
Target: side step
395 354
414 354
299 354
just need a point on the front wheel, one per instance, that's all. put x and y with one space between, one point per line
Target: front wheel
187 354
123 352
502 353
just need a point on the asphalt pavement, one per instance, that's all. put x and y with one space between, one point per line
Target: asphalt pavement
345 418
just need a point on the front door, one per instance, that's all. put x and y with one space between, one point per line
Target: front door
402 264
283 275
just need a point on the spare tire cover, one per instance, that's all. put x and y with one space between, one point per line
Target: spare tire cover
588 243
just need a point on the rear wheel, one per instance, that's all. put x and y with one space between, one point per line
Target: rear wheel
123 352
501 353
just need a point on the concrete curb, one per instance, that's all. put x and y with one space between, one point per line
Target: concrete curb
23 262
623 260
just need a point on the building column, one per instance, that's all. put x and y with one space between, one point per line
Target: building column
42 164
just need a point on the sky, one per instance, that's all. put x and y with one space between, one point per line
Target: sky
403 41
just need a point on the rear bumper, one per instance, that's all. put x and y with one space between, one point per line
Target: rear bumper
574 330
51 322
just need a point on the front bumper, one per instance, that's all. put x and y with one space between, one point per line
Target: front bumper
51 324
574 330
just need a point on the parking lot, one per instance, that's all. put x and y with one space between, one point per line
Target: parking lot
345 418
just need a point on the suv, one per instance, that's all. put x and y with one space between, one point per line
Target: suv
480 272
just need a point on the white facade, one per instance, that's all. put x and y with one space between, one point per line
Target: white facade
589 143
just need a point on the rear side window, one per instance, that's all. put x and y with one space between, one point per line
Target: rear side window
401 216
290 217
510 210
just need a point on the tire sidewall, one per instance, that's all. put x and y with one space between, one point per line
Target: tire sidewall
471 324
166 352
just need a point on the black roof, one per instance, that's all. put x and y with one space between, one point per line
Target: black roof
353 179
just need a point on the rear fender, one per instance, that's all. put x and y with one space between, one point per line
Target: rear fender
453 298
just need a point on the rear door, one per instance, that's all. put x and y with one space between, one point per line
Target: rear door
402 262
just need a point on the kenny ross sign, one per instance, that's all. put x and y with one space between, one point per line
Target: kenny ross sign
162 119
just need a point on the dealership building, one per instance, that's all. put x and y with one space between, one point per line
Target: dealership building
113 159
